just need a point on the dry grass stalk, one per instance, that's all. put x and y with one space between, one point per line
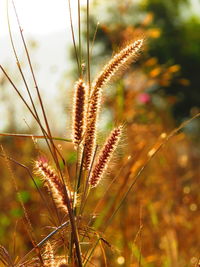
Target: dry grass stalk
53 183
105 156
5 257
79 112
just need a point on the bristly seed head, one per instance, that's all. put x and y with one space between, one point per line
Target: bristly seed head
50 260
105 156
48 256
79 112
53 183
118 63
90 134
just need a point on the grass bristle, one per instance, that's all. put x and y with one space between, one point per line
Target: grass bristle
53 183
48 256
105 156
90 134
79 112
119 62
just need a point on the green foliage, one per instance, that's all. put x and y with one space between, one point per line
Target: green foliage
18 212
180 44
23 196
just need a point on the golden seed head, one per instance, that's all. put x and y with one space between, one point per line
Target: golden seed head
90 133
118 63
48 256
53 183
79 111
105 156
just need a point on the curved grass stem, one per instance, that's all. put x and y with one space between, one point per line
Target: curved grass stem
35 136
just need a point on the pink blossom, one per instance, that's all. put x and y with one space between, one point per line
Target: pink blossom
144 98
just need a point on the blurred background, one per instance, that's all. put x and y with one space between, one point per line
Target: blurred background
156 94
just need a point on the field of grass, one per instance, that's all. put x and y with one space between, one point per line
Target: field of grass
121 186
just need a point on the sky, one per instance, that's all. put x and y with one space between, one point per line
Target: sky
47 16
38 16
47 23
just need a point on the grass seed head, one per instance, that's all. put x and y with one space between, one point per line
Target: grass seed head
105 156
79 112
48 256
118 63
90 134
53 183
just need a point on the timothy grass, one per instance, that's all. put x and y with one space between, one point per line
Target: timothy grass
90 222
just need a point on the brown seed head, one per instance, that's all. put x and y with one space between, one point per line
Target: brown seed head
90 134
53 182
79 111
118 63
105 156
48 256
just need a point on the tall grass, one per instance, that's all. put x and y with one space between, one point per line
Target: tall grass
80 232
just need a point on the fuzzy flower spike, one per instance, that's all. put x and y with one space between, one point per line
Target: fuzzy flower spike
90 134
79 111
105 156
115 66
53 183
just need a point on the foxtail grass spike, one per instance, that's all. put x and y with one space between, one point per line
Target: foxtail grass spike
79 112
48 256
105 156
53 183
118 63
90 134
50 260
